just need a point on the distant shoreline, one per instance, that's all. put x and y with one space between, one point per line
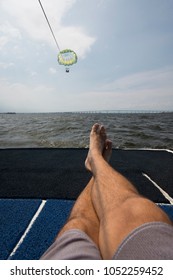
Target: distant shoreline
9 113
96 112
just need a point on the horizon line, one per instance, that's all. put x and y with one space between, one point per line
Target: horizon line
95 111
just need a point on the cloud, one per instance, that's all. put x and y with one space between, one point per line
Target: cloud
150 90
52 70
28 16
146 90
10 30
6 65
24 98
3 41
76 38
157 79
20 97
7 33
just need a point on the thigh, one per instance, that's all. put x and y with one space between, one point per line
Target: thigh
72 245
151 241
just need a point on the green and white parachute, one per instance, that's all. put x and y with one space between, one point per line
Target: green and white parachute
67 58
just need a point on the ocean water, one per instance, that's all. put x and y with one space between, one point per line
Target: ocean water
71 130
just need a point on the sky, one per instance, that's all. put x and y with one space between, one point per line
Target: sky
124 49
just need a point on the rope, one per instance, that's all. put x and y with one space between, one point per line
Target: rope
49 24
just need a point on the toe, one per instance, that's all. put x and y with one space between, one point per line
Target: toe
95 127
108 150
102 129
108 144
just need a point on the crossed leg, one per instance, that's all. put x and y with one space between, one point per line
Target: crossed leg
119 206
83 215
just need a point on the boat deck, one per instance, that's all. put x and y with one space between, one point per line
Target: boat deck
38 188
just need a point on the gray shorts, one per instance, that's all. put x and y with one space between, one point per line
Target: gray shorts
151 241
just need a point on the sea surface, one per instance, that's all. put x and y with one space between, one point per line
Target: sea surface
71 130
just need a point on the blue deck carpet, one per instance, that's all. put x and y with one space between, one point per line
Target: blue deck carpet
15 216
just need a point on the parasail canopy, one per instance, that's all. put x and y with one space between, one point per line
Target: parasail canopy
67 57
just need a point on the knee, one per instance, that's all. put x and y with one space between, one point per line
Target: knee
74 223
82 223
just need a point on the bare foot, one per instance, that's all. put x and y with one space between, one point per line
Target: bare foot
99 145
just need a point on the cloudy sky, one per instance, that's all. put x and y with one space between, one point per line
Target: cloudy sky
124 48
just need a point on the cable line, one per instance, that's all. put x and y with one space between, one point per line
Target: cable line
49 24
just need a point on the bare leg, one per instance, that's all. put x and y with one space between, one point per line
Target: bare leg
118 205
83 215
